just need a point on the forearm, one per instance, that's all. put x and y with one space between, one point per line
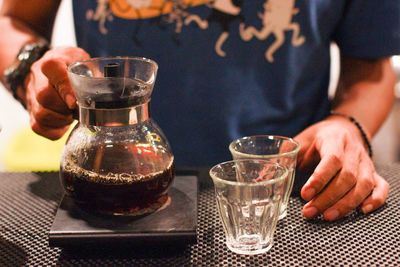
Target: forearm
366 91
22 22
15 35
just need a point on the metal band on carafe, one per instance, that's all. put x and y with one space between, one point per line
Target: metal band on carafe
114 117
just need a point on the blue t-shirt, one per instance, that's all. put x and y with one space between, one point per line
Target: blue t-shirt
233 68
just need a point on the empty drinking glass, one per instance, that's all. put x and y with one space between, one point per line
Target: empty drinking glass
279 149
249 193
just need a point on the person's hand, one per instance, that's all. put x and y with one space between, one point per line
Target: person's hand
49 98
344 177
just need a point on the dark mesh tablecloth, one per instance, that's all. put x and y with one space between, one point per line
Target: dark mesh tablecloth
28 202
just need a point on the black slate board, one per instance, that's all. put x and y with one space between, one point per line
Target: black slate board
176 223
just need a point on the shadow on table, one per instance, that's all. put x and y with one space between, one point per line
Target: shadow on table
47 186
11 254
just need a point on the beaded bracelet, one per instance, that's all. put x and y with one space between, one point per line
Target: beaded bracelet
359 127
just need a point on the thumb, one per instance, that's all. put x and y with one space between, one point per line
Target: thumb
305 141
308 156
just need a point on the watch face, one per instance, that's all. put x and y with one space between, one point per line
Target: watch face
24 54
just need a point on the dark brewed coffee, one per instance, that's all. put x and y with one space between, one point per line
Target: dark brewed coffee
119 180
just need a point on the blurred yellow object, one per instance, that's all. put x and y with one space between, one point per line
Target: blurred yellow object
27 151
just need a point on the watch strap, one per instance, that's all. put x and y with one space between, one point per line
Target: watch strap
16 74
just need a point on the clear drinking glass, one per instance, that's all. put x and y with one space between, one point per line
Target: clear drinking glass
249 193
279 149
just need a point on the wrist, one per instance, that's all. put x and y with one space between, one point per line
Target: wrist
365 136
16 74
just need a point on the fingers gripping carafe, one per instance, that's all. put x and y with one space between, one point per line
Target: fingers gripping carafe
116 160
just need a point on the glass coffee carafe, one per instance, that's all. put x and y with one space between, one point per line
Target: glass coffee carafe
116 160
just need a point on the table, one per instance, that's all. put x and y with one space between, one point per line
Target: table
28 202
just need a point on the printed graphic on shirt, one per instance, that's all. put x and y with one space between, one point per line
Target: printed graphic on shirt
276 18
168 11
102 14
224 12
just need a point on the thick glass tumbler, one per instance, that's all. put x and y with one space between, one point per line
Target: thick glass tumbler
249 194
279 149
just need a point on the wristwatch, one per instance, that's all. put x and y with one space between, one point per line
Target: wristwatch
16 74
